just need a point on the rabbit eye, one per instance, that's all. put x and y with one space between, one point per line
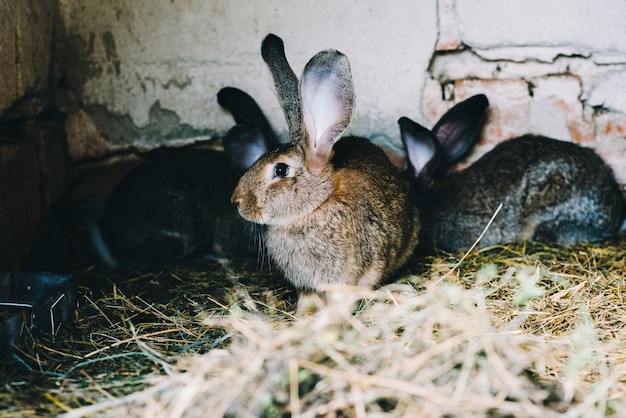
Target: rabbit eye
281 170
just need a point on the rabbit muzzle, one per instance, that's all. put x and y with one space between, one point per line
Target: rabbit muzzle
246 204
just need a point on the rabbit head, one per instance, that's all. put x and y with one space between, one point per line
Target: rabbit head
297 178
431 152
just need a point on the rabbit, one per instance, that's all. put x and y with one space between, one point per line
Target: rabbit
177 202
335 210
551 191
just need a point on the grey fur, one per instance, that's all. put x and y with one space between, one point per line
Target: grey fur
177 202
285 82
552 191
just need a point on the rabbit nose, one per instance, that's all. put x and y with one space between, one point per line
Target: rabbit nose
235 199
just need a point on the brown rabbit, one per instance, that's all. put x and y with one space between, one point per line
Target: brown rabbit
335 209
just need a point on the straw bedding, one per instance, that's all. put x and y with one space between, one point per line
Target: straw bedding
511 331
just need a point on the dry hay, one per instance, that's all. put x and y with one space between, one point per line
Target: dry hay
521 330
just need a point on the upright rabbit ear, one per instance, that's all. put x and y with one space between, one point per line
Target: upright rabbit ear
422 150
246 111
244 145
327 95
458 128
285 83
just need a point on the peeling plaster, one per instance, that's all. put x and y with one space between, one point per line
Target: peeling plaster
180 54
111 54
539 78
609 92
574 88
147 73
86 140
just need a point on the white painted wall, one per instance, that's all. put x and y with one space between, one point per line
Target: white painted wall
553 67
181 53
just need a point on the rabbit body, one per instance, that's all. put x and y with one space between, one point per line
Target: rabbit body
354 224
177 202
336 210
551 191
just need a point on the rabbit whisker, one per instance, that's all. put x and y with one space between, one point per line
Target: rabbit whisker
255 235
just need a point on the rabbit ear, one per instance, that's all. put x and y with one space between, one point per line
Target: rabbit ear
285 83
459 127
244 145
422 151
246 111
327 95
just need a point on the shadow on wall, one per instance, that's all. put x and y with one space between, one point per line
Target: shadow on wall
33 160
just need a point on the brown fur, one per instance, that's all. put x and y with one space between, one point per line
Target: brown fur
348 226
343 214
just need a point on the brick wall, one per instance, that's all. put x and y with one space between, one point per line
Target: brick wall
555 69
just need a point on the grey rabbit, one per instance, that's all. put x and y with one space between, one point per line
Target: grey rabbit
551 191
335 210
177 202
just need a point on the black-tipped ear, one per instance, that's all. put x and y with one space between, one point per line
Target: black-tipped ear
458 128
272 45
286 83
422 151
246 111
244 145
